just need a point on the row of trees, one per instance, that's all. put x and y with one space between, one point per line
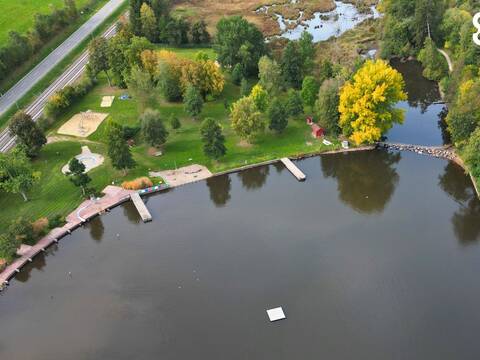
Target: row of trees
20 47
418 28
152 19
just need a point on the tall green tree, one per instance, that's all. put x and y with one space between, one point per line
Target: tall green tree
200 33
238 41
28 133
118 149
153 129
292 65
141 85
294 103
16 173
277 116
270 75
427 20
246 120
309 90
237 74
98 57
193 101
213 139
117 58
77 174
471 153
434 64
464 116
134 16
259 97
307 52
148 23
327 106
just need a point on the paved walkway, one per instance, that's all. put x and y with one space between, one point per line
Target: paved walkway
88 209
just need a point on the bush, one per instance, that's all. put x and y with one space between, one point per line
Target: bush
174 122
137 184
65 97
129 132
55 221
40 227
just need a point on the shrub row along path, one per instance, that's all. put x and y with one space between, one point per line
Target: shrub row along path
43 68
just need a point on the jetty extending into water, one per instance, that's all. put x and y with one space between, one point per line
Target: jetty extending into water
141 208
293 169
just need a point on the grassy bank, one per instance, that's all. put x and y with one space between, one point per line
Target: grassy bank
61 67
55 194
24 11
46 49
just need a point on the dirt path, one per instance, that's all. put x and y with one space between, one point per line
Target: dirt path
447 57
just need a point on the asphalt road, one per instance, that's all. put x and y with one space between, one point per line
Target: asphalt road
70 75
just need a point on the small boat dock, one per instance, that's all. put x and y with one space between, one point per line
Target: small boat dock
293 169
141 208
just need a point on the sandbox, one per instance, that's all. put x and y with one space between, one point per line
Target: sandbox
82 124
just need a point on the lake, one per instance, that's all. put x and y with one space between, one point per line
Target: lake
376 255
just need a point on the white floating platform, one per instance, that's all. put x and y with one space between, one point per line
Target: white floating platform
293 169
276 314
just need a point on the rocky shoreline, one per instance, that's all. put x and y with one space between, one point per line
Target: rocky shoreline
442 152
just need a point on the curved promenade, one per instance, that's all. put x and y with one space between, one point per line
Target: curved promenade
115 196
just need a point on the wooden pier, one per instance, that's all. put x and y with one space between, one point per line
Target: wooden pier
141 208
293 169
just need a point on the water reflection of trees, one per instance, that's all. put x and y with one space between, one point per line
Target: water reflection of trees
466 220
421 91
366 180
253 179
131 213
219 187
96 229
38 263
442 125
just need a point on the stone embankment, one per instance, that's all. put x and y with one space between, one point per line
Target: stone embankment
443 152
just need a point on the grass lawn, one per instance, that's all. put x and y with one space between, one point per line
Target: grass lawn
23 11
55 194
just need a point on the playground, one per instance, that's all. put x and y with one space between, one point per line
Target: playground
82 124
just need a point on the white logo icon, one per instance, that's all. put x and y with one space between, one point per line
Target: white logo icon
476 23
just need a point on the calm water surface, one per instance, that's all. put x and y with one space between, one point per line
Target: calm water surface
375 256
424 114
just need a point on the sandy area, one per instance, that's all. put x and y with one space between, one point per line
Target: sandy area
82 124
107 101
184 175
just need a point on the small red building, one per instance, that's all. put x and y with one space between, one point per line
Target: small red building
309 120
317 131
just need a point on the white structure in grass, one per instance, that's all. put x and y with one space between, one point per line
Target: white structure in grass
87 158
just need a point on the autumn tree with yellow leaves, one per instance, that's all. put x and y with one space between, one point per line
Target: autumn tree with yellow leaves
367 102
173 71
